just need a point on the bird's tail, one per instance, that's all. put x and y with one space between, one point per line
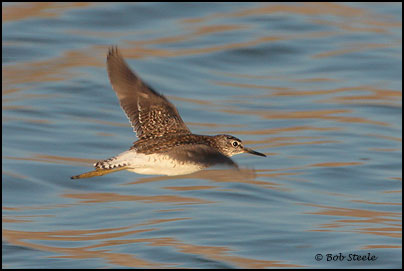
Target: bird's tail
97 172
116 163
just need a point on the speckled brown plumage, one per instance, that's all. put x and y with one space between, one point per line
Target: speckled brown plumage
149 112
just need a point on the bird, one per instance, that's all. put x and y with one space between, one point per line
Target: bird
165 145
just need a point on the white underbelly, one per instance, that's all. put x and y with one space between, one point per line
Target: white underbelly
156 164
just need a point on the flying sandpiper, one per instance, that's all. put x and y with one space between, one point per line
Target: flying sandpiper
166 146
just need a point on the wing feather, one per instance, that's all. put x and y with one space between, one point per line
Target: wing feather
150 113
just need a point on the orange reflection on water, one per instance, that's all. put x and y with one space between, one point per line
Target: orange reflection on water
274 142
376 96
216 253
196 32
191 187
102 239
380 246
313 114
106 238
50 70
354 48
27 240
23 11
273 131
390 222
54 159
336 9
336 164
114 197
364 94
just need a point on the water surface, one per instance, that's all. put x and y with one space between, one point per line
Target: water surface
316 87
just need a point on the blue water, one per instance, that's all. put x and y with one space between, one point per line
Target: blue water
317 87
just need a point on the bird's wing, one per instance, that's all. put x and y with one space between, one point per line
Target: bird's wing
149 112
200 154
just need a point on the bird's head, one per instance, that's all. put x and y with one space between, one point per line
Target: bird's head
230 145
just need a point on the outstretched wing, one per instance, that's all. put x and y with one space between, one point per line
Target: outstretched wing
149 112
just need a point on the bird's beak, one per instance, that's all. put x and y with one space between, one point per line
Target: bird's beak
253 152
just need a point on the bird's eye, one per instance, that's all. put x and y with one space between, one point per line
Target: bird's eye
235 143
